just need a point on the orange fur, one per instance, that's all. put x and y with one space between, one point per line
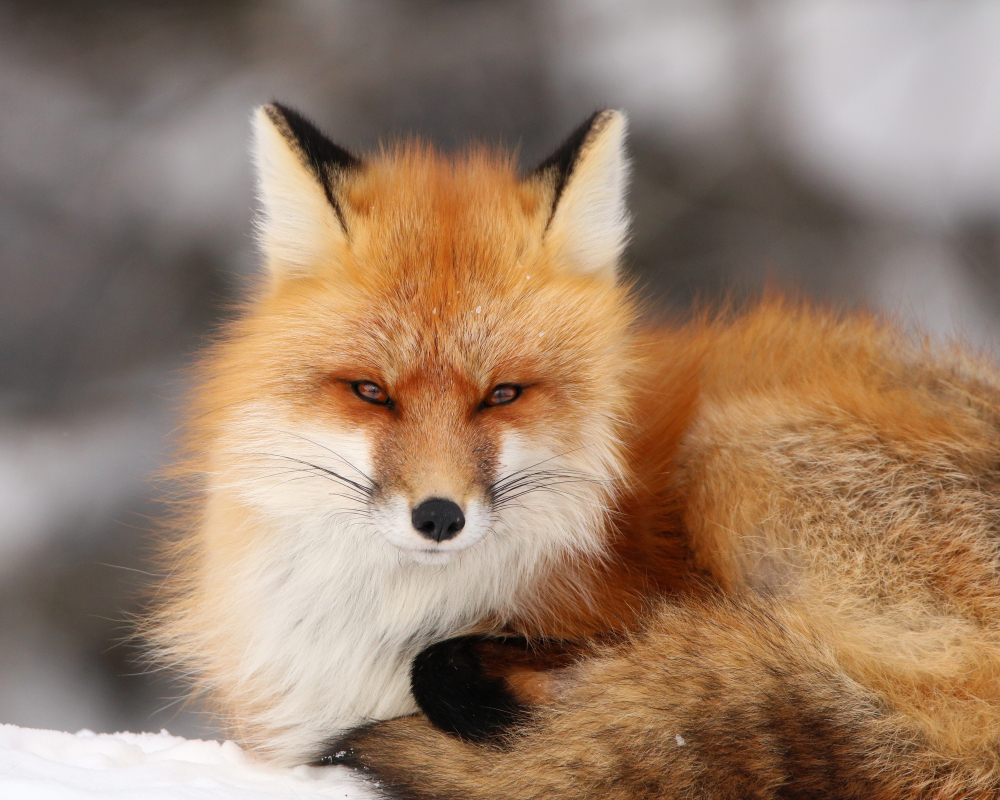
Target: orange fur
796 506
835 499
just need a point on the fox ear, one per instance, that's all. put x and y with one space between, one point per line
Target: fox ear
299 172
588 175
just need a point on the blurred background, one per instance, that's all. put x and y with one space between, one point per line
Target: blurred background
847 148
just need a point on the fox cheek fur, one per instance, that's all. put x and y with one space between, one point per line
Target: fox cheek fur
358 490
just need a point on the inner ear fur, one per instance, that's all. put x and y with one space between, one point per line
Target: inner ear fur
299 171
587 177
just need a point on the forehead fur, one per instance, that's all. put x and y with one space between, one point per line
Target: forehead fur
415 216
443 262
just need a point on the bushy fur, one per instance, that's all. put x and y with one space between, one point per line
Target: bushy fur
788 516
841 493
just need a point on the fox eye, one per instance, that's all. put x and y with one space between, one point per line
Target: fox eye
502 395
371 393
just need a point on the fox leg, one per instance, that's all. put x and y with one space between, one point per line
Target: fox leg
477 687
723 700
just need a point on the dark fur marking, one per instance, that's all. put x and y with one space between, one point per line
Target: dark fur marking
324 158
562 162
451 688
341 752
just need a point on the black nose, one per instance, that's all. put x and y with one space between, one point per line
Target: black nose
438 519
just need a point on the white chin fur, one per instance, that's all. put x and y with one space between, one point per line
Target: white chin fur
392 519
327 610
433 557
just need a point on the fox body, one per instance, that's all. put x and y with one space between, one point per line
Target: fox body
840 486
440 415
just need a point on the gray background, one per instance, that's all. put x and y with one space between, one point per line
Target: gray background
846 149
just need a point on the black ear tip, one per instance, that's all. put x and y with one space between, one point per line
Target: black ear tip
561 160
283 108
285 115
321 153
559 166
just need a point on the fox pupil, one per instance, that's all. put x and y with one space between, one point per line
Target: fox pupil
371 393
503 394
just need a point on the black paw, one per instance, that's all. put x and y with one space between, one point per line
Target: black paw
452 689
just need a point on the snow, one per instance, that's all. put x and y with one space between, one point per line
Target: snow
52 765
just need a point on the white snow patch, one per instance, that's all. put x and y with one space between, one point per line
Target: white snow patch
52 765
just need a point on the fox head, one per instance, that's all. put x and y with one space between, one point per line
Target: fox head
437 359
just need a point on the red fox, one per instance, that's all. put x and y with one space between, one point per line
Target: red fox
754 555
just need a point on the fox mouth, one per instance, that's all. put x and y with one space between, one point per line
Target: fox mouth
433 556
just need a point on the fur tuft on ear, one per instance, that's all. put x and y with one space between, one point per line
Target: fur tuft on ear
588 223
299 171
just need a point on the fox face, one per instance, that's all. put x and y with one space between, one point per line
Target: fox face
434 361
